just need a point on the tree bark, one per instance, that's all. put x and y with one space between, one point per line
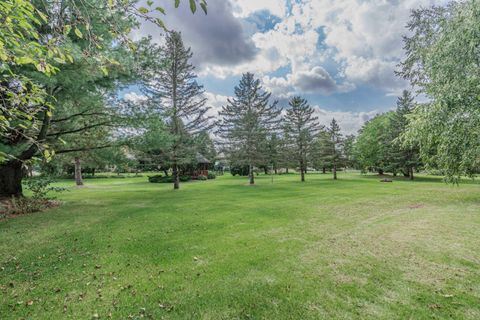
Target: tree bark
78 172
286 170
176 177
302 171
334 172
11 179
411 174
250 175
324 170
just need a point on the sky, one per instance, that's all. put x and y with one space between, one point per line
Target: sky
341 55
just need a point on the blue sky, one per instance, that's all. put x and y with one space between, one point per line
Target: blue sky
339 54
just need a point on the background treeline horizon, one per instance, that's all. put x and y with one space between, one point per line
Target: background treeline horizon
63 69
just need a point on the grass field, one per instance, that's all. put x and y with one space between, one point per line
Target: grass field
348 249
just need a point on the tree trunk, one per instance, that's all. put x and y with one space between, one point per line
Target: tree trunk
411 173
276 170
380 172
11 179
286 170
302 172
176 177
266 170
334 172
324 170
250 175
78 172
166 172
93 172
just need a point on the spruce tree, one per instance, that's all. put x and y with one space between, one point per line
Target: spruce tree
333 146
175 93
301 126
404 157
245 122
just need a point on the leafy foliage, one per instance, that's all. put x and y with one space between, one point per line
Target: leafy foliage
442 61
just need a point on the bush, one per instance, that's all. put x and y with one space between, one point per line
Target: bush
211 176
40 187
162 179
17 206
202 178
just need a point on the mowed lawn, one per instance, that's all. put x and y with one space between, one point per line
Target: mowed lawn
354 248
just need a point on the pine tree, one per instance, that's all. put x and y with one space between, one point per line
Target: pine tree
300 129
175 93
245 122
333 146
404 157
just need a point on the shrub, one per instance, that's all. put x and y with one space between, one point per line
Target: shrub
202 178
211 175
166 179
160 179
40 187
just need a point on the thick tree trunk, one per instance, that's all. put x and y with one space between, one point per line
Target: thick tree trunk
334 172
411 174
250 175
93 172
78 172
265 170
302 171
11 175
176 177
324 170
276 170
286 170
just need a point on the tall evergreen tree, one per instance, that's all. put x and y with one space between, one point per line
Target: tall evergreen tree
333 146
301 126
175 93
405 157
348 154
245 122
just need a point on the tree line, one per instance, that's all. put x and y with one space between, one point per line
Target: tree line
64 65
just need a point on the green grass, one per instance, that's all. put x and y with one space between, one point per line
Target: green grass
352 248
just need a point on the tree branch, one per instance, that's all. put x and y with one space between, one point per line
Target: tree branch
82 149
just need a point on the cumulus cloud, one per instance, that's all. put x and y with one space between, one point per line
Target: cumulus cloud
218 38
313 81
134 97
350 122
215 102
245 8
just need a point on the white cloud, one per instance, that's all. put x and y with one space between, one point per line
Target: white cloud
134 97
363 37
350 122
215 102
244 8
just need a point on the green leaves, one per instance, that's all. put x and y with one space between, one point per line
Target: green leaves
193 6
78 33
143 10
